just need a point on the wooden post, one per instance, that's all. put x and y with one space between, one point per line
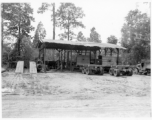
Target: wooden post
43 55
67 59
95 57
64 55
117 55
105 51
111 51
90 56
71 61
53 54
64 59
44 51
76 57
61 61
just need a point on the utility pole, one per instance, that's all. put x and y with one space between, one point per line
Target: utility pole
53 51
68 26
53 21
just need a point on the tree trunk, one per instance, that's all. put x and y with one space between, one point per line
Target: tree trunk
68 26
19 42
19 36
2 36
53 21
2 40
68 32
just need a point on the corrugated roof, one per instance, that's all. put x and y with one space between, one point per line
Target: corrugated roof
85 44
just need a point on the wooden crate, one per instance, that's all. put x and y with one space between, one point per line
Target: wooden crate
19 67
33 68
109 60
83 60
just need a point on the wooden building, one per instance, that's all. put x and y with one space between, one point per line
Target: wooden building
68 51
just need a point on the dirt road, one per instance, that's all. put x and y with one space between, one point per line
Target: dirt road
64 94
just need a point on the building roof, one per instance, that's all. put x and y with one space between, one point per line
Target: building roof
71 45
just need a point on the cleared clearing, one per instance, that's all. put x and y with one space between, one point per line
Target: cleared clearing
65 94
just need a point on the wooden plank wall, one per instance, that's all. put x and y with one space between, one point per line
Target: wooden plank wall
33 68
19 67
108 59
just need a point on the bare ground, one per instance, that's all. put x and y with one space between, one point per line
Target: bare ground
65 94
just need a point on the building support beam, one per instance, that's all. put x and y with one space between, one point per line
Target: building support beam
71 61
61 60
95 56
90 55
111 51
67 63
117 56
44 54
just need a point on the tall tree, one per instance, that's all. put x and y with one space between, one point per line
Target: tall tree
136 36
7 49
67 18
94 36
2 30
44 7
112 39
40 34
28 51
17 19
80 37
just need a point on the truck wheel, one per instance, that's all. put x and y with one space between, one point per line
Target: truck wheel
116 73
145 72
111 72
88 71
39 67
148 71
130 73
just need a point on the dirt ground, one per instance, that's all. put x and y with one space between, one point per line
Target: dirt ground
67 94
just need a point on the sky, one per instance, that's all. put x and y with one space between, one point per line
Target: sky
107 16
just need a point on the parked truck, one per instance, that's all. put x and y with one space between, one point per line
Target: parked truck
89 68
143 68
121 70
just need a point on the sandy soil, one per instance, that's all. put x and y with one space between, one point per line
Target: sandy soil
65 94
